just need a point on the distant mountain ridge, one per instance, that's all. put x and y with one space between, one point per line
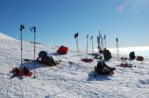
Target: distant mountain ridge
3 36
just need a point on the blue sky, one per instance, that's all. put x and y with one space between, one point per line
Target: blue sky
58 20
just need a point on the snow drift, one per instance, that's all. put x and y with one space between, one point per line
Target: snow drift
68 80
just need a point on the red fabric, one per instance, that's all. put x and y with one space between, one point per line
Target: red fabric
21 73
28 74
86 60
139 58
62 50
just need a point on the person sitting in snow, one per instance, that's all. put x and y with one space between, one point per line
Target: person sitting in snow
103 69
46 59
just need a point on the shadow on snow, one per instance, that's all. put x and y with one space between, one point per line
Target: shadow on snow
92 76
30 64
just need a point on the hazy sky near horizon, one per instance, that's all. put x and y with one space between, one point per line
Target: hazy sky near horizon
58 20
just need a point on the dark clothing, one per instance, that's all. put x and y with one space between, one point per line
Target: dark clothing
43 54
107 54
102 68
132 55
25 70
45 58
19 72
16 72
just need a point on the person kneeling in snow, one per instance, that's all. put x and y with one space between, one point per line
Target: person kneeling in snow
103 69
46 59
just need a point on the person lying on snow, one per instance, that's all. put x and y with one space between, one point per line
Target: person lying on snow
104 69
46 59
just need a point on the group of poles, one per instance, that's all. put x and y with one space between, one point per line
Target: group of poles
32 29
101 43
87 38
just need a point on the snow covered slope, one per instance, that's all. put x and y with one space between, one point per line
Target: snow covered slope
3 36
68 80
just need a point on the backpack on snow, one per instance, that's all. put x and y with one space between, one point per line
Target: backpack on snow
103 69
140 58
45 58
107 54
43 54
132 55
62 50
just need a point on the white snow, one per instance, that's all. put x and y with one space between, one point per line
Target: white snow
68 80
3 36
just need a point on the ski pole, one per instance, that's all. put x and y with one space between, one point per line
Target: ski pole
87 46
33 28
21 29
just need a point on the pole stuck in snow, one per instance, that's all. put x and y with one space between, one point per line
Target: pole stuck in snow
92 44
102 43
33 28
87 46
105 41
98 42
117 48
76 37
21 29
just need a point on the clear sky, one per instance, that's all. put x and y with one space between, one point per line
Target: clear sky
58 20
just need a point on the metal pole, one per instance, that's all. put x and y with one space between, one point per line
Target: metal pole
92 46
21 48
21 29
105 41
87 47
117 47
77 45
33 28
99 47
34 54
